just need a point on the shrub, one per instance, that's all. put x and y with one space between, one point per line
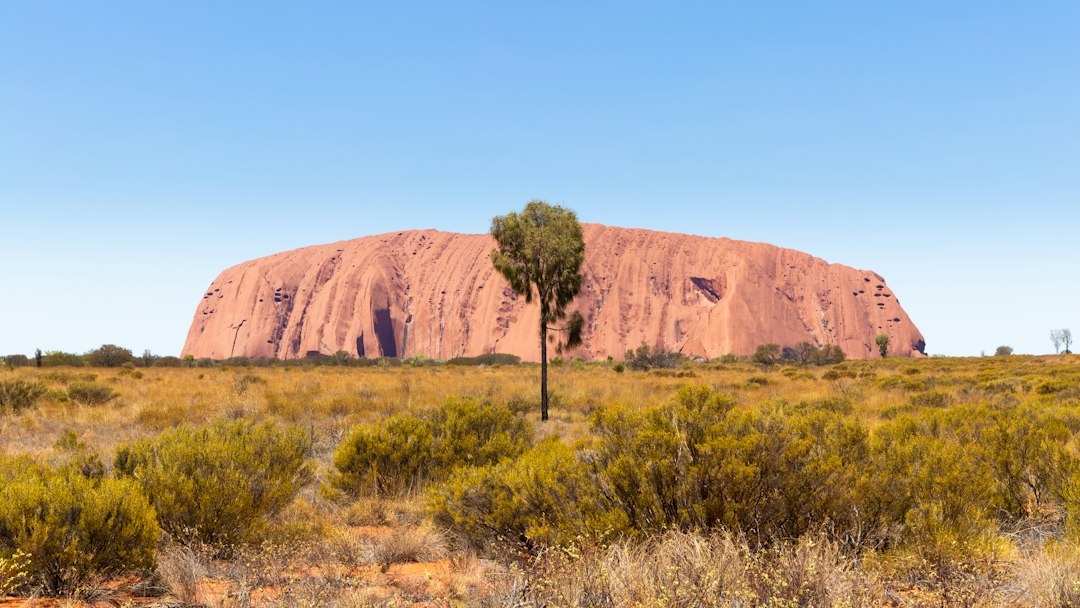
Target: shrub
805 353
408 544
55 358
89 393
406 451
487 359
645 358
932 398
14 572
698 463
1070 494
1003 351
109 355
16 395
75 530
388 457
942 481
767 355
219 484
16 360
548 496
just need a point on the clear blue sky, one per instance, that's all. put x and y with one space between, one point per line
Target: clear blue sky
146 146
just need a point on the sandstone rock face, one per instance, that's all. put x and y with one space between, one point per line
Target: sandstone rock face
436 294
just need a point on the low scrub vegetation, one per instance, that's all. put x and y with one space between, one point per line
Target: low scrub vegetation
407 451
944 482
17 394
218 485
61 531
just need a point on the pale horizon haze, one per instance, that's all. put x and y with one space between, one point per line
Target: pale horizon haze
147 146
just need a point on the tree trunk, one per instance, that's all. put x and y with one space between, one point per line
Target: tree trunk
543 373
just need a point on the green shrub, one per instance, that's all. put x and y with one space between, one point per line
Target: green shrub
805 353
219 484
54 358
767 355
546 497
168 361
837 373
932 399
16 395
942 481
1049 387
473 433
645 358
89 393
698 463
488 359
75 530
407 451
388 457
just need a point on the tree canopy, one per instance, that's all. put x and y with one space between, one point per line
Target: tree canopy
540 251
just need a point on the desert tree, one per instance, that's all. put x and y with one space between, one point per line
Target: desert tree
1003 351
767 355
1055 339
882 341
540 251
1066 340
109 355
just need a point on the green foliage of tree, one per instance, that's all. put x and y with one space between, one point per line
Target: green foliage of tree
16 395
805 353
76 530
109 355
219 484
540 252
407 451
767 355
882 341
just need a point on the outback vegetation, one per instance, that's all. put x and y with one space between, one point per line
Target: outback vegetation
539 252
657 481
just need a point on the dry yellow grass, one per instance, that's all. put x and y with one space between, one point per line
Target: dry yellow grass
346 568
